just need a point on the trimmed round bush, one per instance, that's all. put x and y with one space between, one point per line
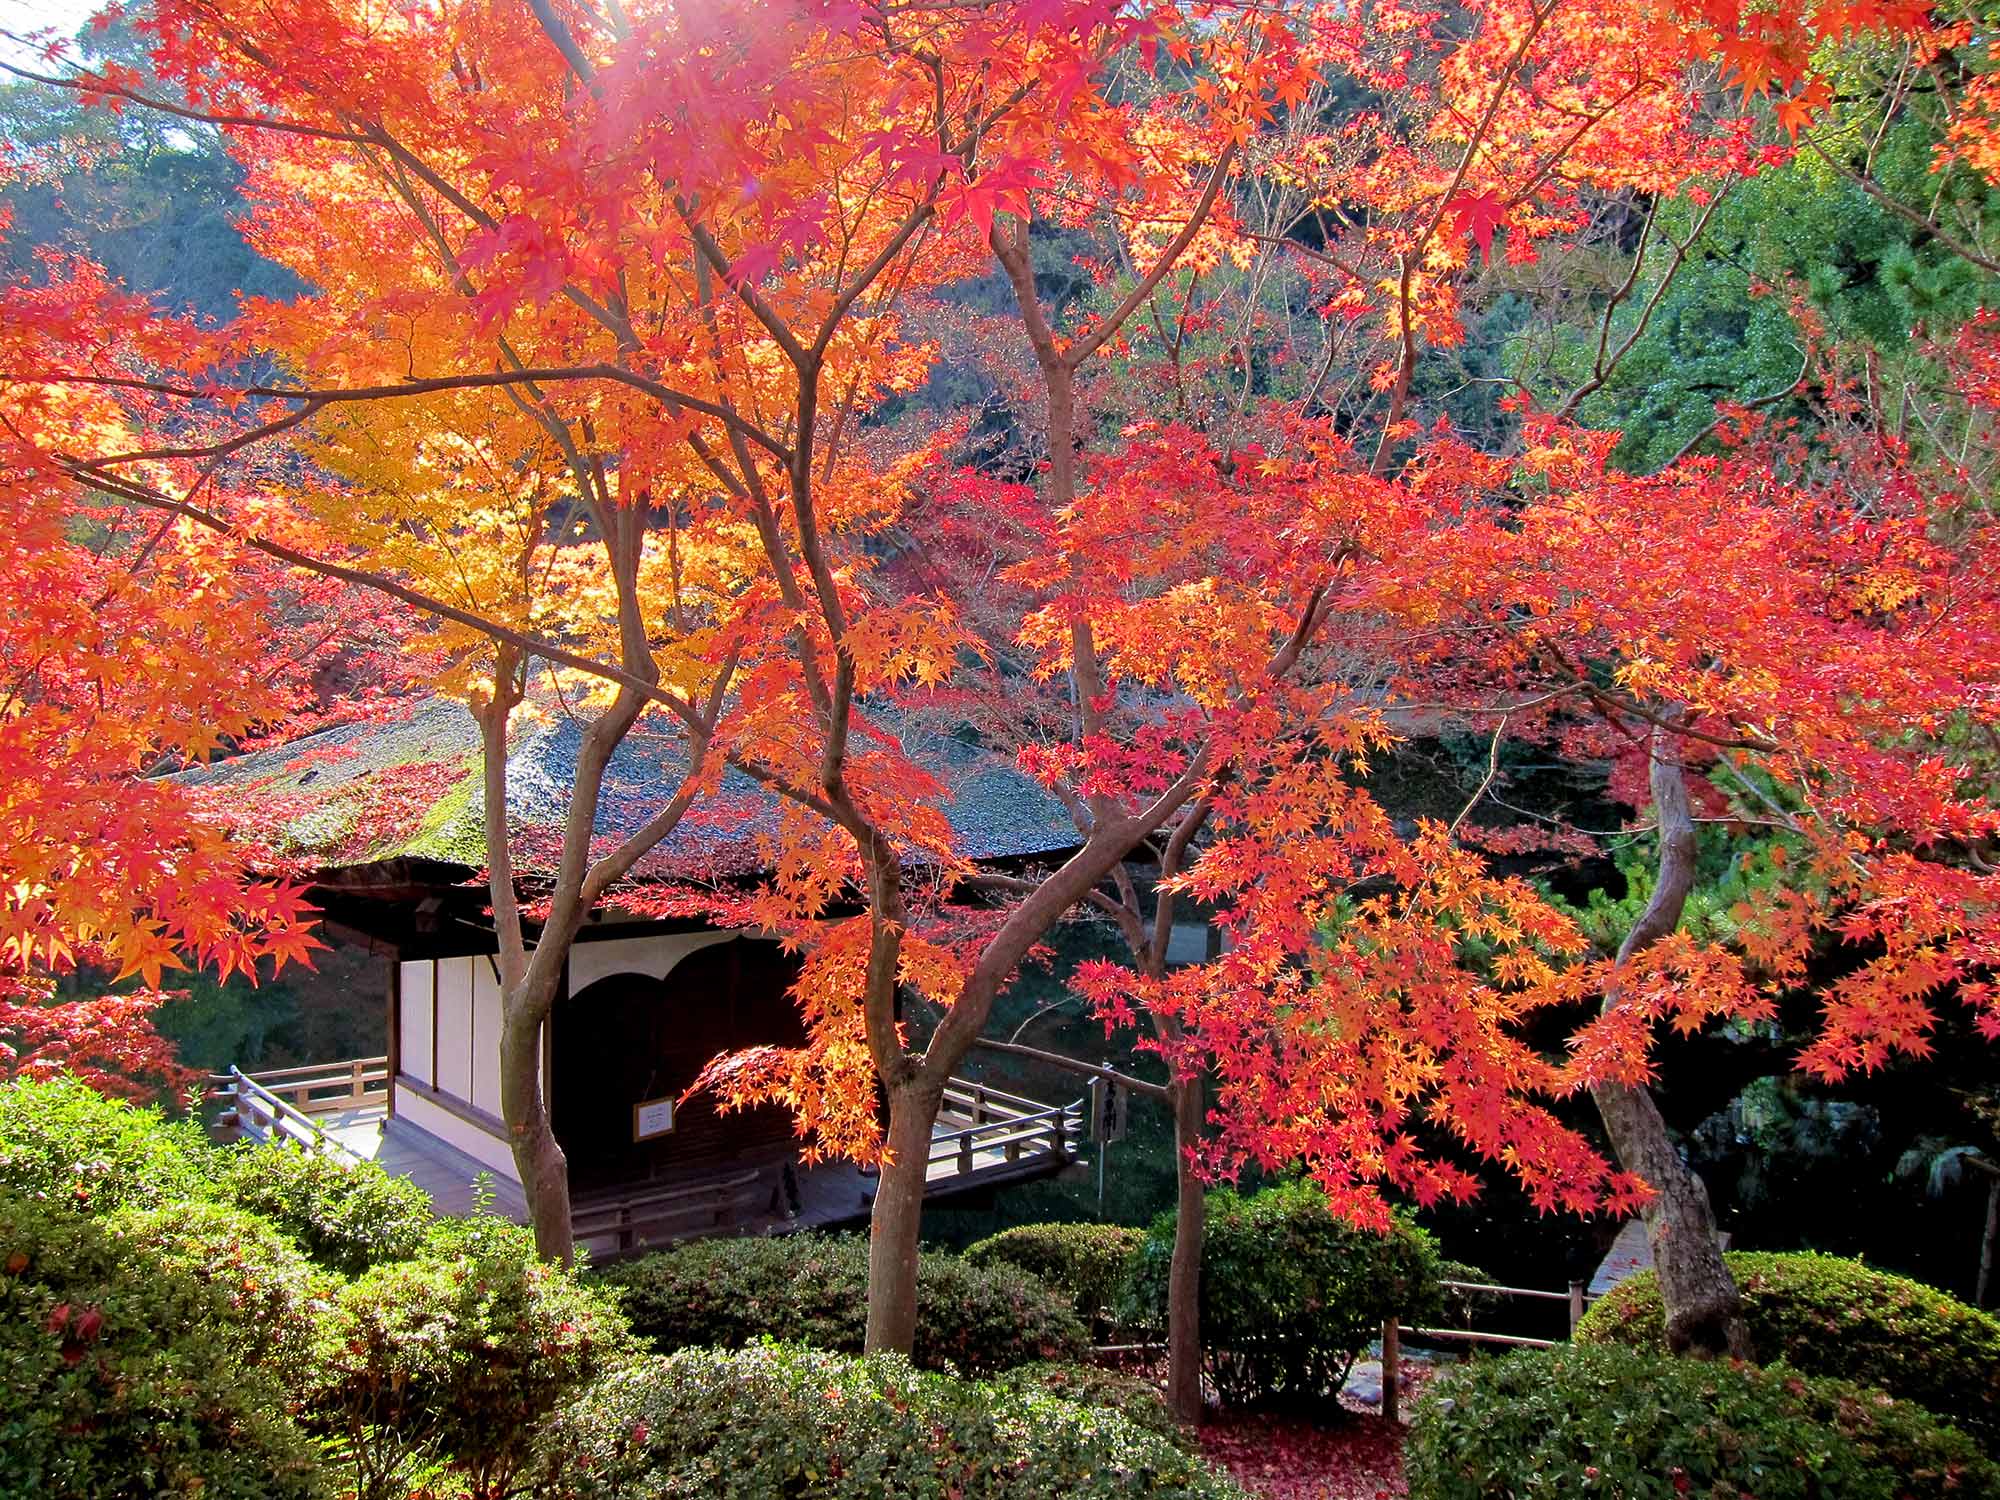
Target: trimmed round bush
813 1289
347 1216
122 1371
775 1420
461 1352
1591 1420
1290 1295
1827 1316
1087 1263
67 1145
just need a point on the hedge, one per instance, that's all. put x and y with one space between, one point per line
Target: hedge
1087 1263
774 1420
67 1145
124 1372
1290 1295
1640 1425
1827 1316
813 1289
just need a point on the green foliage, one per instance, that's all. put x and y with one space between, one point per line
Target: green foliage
1827 1316
124 1367
774 1420
1550 1425
1087 1263
1138 1401
346 1216
69 1146
272 1293
813 1289
1724 330
152 198
1290 1295
460 1351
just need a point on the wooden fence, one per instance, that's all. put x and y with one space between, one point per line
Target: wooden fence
1576 1298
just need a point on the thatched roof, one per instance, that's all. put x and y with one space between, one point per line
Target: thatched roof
408 787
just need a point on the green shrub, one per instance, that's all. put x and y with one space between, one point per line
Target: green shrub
813 1289
1087 1263
1290 1295
347 1216
457 1353
66 1144
1138 1401
1581 1420
272 1294
122 1370
1828 1316
774 1420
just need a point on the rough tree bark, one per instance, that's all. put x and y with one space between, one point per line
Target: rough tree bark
1704 1314
898 1215
1184 1273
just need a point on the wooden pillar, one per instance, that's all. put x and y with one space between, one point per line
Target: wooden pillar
1575 1306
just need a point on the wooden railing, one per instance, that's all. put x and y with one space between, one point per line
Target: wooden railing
253 1110
1005 1128
632 1221
319 1088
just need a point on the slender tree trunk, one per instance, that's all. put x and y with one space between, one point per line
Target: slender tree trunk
538 1157
1184 1275
897 1217
1704 1314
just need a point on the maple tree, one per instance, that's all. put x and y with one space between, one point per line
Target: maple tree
133 646
666 271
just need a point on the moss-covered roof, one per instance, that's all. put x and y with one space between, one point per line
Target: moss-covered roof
409 787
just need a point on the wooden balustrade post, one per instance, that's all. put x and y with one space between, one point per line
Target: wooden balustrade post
356 1093
1575 1306
979 1105
965 1151
1392 1358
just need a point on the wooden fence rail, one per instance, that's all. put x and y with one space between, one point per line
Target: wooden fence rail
1392 1333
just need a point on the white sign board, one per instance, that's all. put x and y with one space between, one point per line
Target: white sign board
651 1118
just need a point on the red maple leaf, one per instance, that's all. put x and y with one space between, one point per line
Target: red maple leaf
1476 214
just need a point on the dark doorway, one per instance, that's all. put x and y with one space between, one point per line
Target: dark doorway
630 1038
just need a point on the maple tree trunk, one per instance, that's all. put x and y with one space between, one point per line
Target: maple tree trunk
538 1157
897 1217
1184 1275
1704 1313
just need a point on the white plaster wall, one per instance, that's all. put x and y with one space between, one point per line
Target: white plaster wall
489 1150
455 1041
414 1046
654 956
485 1037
